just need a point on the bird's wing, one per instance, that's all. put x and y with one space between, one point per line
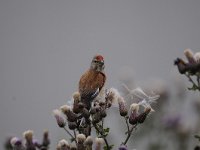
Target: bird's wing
90 84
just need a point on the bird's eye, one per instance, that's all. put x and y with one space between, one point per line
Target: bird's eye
95 61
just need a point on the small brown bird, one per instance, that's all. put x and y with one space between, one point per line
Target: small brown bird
92 81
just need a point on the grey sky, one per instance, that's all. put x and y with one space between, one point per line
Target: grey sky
46 45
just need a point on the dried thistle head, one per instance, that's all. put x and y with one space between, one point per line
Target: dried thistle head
60 120
122 106
141 117
99 143
103 113
15 141
77 99
85 113
28 135
65 109
46 140
46 134
73 146
76 96
112 96
96 118
134 108
197 57
63 145
71 116
88 141
189 55
72 125
181 64
80 138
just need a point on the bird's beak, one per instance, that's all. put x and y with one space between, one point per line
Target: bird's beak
101 62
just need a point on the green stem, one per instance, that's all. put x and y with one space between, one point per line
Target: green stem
103 136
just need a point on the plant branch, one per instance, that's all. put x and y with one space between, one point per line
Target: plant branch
194 84
198 80
103 136
126 119
73 138
129 134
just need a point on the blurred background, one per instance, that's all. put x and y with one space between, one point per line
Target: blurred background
46 45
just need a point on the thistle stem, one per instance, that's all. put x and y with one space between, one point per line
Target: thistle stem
75 136
69 134
191 80
127 124
198 80
129 134
103 136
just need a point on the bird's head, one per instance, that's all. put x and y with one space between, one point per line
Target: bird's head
97 63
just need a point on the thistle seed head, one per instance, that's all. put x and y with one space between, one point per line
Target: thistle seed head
122 106
60 120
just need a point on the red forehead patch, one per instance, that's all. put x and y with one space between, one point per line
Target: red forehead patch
99 57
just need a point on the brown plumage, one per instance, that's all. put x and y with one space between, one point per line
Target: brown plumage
92 81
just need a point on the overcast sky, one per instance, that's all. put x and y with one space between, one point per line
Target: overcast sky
46 45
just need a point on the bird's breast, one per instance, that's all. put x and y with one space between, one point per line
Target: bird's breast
92 80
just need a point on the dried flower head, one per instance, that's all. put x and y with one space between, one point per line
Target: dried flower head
72 125
80 138
99 142
197 57
45 134
28 135
85 113
65 109
141 118
73 146
60 120
103 113
77 96
189 55
77 99
122 106
63 145
46 140
96 118
112 95
71 116
88 141
134 108
181 64
15 141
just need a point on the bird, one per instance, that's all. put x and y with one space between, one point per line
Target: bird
92 81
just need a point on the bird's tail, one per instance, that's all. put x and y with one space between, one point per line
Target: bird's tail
87 103
86 121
